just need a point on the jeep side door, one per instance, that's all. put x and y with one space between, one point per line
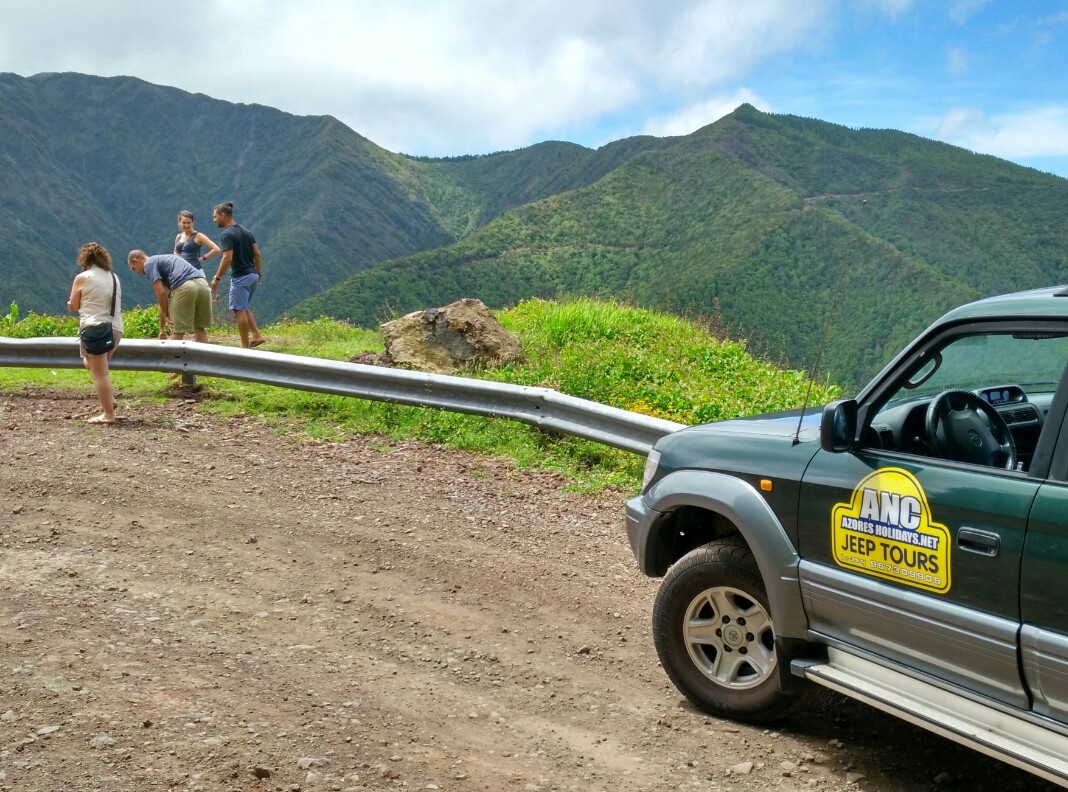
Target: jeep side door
915 557
947 604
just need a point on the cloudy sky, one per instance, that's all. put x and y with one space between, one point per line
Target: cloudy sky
450 77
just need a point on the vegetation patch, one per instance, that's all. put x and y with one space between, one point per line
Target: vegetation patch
653 363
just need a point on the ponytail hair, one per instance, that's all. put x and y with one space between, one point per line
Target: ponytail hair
226 207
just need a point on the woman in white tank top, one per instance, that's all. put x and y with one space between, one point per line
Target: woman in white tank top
90 296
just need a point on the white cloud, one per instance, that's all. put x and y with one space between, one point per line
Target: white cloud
962 123
417 75
717 40
695 116
1041 132
958 61
963 10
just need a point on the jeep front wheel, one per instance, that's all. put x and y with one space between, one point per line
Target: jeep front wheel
713 632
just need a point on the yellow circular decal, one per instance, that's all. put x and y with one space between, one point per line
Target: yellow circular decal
887 530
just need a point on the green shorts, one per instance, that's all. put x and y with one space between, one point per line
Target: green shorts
190 305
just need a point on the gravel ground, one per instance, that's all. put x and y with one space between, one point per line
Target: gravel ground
198 603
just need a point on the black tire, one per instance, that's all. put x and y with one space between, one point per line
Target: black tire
713 632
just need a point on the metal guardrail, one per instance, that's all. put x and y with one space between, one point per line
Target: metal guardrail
541 407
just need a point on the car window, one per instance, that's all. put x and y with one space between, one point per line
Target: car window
981 363
979 399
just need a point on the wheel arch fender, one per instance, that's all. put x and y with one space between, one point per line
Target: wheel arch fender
739 502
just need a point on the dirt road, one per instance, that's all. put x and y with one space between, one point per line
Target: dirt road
203 604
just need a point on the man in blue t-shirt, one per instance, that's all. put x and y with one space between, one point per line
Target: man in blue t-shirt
181 291
241 255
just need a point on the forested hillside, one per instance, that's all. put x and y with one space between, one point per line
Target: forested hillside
755 218
115 159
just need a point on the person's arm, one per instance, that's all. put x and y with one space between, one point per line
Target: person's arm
205 240
75 300
224 265
257 260
162 298
176 248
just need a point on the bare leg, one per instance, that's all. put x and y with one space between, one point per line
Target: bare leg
257 336
246 326
98 370
200 334
242 326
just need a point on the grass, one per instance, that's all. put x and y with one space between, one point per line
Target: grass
638 360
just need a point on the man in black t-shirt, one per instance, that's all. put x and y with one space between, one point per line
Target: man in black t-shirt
241 255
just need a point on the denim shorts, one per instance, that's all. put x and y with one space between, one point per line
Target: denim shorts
241 290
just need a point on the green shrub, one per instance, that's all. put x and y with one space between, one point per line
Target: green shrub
37 326
137 323
11 318
141 323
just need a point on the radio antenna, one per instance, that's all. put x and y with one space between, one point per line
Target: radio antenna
826 328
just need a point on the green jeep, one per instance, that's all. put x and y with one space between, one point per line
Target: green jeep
905 548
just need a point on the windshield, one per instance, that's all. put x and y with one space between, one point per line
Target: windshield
1034 361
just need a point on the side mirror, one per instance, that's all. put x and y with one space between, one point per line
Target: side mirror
838 429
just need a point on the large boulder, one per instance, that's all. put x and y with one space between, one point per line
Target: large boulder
460 336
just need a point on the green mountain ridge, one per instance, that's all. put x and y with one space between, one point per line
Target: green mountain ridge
753 220
757 218
115 159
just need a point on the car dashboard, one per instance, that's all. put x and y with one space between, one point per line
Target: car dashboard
901 427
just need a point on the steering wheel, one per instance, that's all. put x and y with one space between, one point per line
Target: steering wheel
962 427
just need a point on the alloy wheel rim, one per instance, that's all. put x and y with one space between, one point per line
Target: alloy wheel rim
729 638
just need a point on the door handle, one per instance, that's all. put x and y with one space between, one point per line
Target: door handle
976 541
